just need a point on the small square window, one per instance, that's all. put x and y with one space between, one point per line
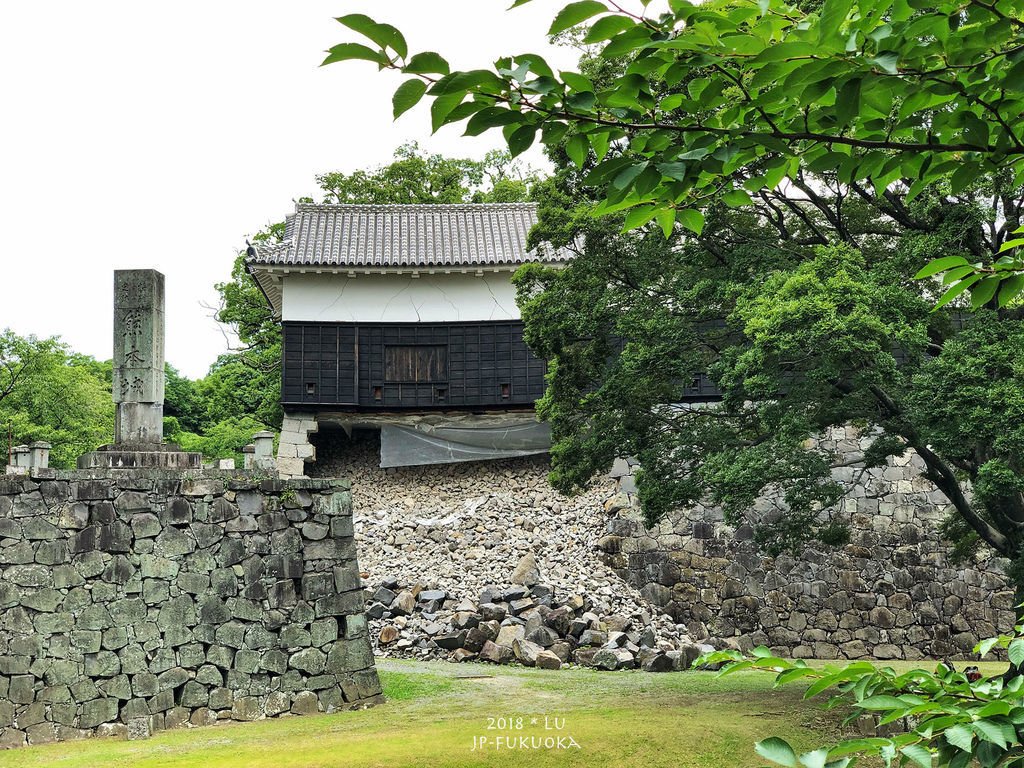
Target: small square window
506 391
310 388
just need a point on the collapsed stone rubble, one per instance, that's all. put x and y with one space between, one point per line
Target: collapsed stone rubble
485 561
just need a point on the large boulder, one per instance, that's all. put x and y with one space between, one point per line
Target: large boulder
526 573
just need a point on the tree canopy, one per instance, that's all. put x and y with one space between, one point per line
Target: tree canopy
722 99
49 393
803 325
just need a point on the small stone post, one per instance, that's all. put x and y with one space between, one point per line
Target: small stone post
264 452
39 455
139 358
249 456
19 460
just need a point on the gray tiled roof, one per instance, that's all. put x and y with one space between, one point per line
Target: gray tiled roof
463 235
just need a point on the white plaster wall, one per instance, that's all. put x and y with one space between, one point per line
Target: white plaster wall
399 298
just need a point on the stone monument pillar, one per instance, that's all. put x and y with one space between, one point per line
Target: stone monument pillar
139 358
138 382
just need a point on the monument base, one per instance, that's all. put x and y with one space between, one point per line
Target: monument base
143 456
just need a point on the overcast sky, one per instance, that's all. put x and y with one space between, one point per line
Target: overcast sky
159 135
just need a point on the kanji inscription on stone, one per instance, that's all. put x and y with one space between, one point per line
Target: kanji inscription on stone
138 336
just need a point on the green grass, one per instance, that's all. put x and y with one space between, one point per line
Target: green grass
401 686
433 717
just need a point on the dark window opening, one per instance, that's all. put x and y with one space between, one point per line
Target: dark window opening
378 393
506 391
310 388
441 394
416 364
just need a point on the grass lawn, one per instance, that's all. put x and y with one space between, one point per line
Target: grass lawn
434 717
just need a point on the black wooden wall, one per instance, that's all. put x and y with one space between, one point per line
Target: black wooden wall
393 366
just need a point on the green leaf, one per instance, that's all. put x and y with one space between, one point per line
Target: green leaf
600 142
881 702
607 27
983 291
736 197
991 731
639 216
815 759
956 273
347 51
675 171
442 107
777 750
408 95
793 674
962 176
848 101
491 117
626 176
993 708
693 221
955 290
987 644
577 147
384 35
574 13
940 265
576 81
521 139
960 736
887 62
426 63
919 754
833 14
975 130
1011 288
667 220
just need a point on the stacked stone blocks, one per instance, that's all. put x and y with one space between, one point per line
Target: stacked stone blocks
294 448
133 602
893 592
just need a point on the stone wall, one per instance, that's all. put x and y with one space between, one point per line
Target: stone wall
137 601
294 448
893 592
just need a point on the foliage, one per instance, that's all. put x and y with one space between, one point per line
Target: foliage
414 176
182 401
801 310
49 393
223 439
950 716
248 379
720 100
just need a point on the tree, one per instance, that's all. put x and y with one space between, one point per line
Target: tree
181 400
727 98
791 285
416 177
255 366
49 393
802 326
802 311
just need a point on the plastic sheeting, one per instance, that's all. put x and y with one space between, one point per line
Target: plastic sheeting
450 441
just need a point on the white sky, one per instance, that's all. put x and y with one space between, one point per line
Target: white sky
138 134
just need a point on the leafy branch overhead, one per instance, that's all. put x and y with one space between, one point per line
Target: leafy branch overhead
719 100
954 718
